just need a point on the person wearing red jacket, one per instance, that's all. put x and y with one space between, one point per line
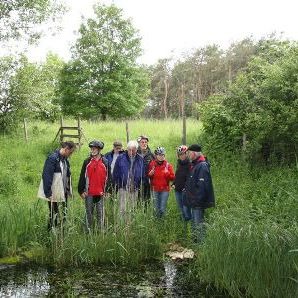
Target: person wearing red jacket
160 173
92 183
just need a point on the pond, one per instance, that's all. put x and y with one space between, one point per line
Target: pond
159 280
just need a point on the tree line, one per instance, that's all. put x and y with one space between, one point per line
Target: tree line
246 95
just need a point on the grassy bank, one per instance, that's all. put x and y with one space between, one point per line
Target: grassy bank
252 241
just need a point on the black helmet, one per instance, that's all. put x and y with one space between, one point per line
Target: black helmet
98 144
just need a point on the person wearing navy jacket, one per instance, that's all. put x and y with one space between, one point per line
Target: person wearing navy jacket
128 175
55 185
112 157
199 193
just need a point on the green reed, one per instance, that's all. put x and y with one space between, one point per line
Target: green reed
251 243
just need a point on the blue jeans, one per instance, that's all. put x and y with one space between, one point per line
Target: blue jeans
160 202
184 210
197 224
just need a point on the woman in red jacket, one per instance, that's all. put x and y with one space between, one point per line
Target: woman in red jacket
160 173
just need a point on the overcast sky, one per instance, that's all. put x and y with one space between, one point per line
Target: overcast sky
171 27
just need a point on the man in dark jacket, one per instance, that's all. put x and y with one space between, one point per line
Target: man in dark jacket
199 193
147 155
128 174
112 157
55 186
93 181
181 174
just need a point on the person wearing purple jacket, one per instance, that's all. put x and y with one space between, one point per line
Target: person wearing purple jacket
128 175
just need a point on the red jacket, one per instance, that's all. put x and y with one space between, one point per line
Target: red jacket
163 174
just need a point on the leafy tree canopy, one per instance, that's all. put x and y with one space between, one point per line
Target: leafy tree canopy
261 104
28 89
103 78
22 19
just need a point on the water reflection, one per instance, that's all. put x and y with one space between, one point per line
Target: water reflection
14 283
170 275
27 281
147 281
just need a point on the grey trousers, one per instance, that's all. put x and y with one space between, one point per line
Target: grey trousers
98 203
128 200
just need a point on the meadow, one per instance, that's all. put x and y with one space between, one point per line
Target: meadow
251 248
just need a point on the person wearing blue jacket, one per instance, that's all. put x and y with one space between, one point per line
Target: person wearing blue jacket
55 185
128 175
198 193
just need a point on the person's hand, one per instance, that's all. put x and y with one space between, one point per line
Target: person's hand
151 173
83 195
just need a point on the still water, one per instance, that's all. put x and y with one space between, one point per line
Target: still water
147 281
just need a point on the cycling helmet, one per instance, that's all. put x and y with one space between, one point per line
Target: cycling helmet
181 149
159 151
98 144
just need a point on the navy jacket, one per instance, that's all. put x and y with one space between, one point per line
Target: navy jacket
109 155
182 171
51 166
147 159
198 187
121 170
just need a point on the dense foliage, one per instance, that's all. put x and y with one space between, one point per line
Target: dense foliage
103 78
178 86
22 19
258 113
28 90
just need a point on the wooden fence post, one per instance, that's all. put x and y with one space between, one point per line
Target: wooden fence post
61 130
25 130
79 131
184 130
183 116
127 132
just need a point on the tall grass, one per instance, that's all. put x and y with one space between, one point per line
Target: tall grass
23 217
252 238
251 248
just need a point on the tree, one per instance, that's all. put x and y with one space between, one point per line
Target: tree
28 90
22 19
8 66
261 105
34 88
160 88
103 78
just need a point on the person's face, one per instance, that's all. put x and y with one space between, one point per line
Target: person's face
182 156
191 155
67 152
94 151
143 144
117 148
132 151
160 157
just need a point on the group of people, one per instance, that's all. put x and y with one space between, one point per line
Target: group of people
135 175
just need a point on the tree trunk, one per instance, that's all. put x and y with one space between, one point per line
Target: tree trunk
165 99
199 90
